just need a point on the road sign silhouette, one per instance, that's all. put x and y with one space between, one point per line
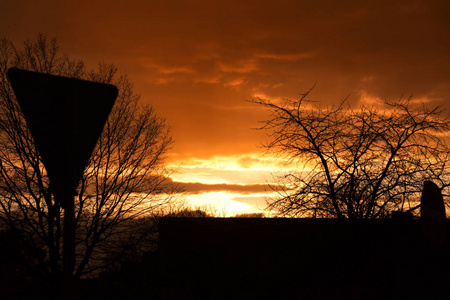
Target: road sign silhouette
66 117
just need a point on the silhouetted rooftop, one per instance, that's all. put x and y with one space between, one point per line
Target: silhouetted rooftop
246 258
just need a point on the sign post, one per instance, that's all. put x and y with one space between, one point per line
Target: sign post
65 117
432 214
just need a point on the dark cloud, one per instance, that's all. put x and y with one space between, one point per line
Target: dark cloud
198 188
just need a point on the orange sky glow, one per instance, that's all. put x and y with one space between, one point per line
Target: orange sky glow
197 62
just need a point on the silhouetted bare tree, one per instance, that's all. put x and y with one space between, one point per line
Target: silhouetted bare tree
355 163
124 180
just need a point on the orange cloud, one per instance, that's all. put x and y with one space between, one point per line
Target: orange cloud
208 79
162 80
287 57
171 70
240 66
198 188
235 82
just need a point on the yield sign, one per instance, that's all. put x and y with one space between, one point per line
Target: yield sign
66 117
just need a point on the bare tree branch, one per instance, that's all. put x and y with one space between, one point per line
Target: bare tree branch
355 163
125 178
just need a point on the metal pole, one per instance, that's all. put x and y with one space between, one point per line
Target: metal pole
67 199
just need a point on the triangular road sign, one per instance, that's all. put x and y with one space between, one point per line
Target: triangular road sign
66 117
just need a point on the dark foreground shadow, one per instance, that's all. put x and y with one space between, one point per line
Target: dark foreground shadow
299 259
213 258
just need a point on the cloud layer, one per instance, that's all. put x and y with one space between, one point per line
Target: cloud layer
197 60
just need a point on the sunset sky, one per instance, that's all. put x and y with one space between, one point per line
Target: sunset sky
197 62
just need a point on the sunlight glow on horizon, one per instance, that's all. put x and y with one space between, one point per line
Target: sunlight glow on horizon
227 204
239 169
245 175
